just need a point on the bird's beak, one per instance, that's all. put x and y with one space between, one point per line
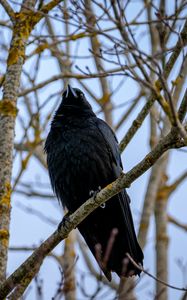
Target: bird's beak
70 92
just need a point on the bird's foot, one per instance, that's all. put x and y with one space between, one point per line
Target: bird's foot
65 221
94 193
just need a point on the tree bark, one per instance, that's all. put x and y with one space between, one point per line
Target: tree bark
69 287
7 123
22 26
161 241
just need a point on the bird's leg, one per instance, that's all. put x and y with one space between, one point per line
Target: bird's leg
65 220
94 194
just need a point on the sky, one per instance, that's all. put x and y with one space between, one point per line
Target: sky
28 230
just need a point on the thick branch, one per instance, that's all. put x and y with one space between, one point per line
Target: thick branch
36 259
162 238
22 26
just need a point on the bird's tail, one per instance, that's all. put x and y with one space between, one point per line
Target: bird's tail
109 233
129 243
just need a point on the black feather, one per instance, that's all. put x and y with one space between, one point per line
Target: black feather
83 155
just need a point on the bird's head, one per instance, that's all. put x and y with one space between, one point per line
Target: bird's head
74 101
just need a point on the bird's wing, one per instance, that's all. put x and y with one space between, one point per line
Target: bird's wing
123 198
111 141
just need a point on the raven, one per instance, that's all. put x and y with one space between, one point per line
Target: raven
82 157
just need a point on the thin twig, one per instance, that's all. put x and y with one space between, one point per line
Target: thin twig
152 276
8 9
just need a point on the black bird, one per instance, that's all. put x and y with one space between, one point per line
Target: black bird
82 157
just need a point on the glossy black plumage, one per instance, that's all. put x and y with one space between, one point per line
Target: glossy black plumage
83 155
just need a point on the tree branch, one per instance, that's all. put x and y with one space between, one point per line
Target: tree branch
146 109
152 276
73 76
35 260
173 221
8 10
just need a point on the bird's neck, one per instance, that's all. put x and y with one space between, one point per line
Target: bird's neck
71 117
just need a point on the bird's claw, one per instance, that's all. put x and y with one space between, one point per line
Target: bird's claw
64 222
94 193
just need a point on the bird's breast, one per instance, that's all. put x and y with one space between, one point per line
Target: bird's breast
81 164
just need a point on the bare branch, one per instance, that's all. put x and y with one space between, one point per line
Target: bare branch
92 270
152 276
112 72
8 9
145 110
173 221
